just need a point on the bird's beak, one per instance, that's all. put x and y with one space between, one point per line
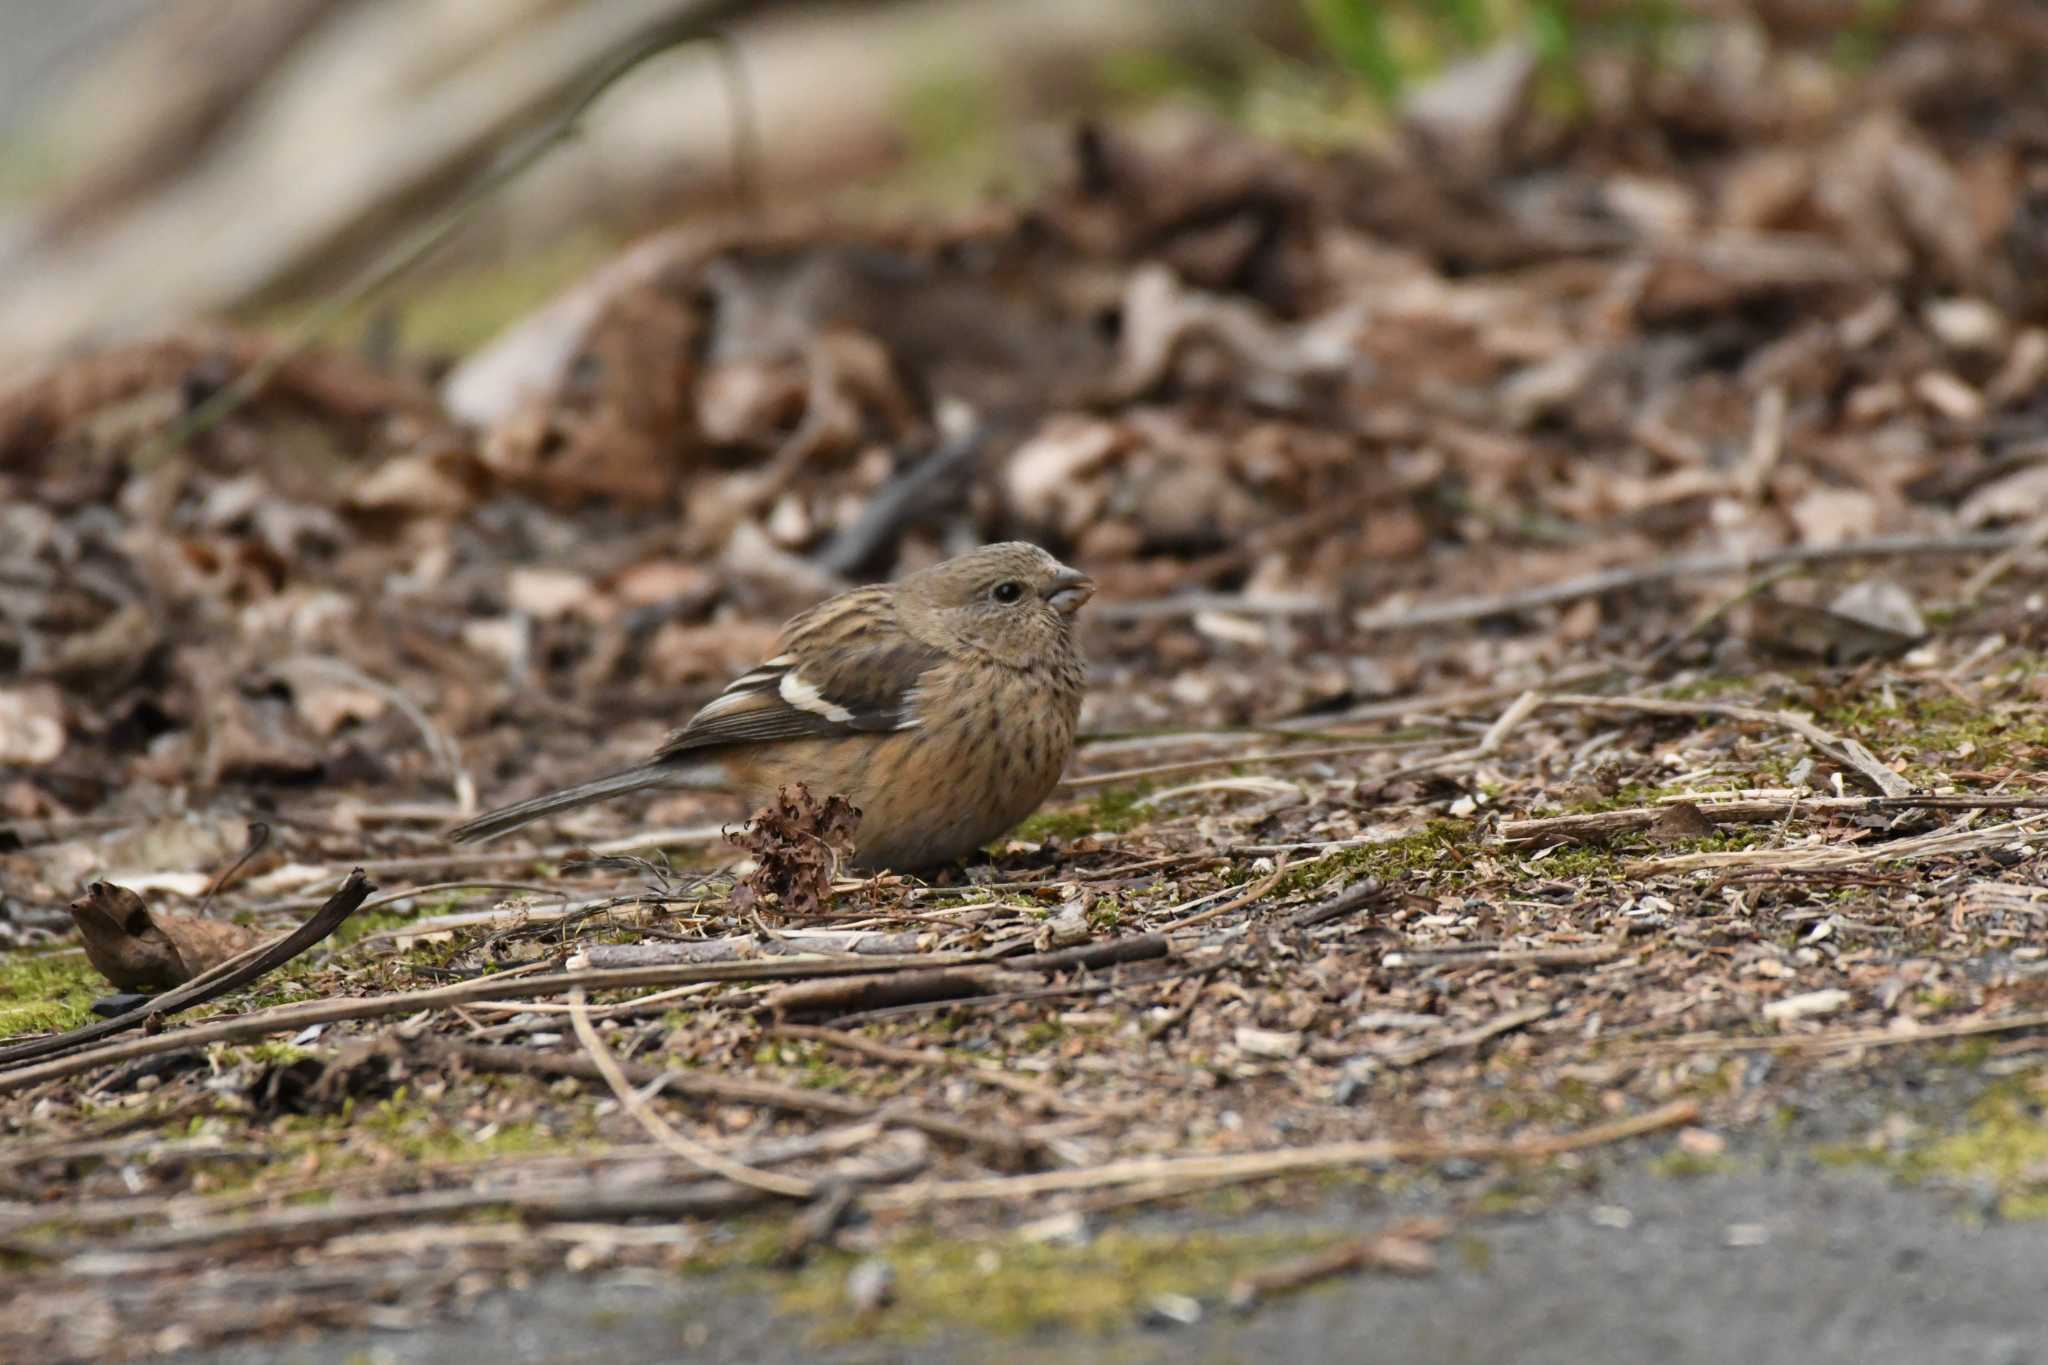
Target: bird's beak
1068 590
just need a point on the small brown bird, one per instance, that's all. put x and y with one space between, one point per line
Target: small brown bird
942 706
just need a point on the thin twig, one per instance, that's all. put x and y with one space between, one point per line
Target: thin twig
987 1073
659 1128
1848 752
1174 1018
1960 837
1462 610
236 972
1007 1144
1596 825
1234 903
1503 957
1979 583
1284 1161
292 1018
421 243
1466 1038
1836 1042
259 836
1403 1248
1195 765
1350 900
1520 709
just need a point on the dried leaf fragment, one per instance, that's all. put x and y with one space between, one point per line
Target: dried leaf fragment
798 844
137 948
1680 822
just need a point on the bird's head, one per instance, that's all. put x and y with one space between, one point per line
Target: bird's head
1011 602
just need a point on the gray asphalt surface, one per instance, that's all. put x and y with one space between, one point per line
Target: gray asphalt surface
1810 1265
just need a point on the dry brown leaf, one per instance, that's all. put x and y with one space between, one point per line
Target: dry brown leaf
139 949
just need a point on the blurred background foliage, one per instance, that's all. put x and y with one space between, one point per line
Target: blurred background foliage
203 157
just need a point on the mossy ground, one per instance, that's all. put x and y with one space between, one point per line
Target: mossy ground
1011 1287
47 992
1112 812
2000 1148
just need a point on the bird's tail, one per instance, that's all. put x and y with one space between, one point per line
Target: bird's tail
505 819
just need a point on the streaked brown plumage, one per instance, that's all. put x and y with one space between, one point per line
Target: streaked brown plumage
943 706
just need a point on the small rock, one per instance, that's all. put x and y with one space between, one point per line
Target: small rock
1949 395
1881 603
1701 1142
1811 1005
1273 1043
1966 324
871 1285
1464 114
1059 1229
31 725
547 593
1172 1310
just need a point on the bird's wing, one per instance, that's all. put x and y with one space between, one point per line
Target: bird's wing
845 667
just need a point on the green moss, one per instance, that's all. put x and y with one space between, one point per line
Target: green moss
1013 1288
418 1131
1574 862
1112 812
1442 849
269 1052
2002 1144
47 992
1929 730
1935 730
1851 1155
1684 1165
810 1066
1967 1054
1041 1034
1567 1104
429 1136
2005 1143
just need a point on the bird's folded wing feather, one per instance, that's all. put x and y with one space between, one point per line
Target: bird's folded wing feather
845 667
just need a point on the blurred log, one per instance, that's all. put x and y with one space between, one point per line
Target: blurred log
378 115
150 109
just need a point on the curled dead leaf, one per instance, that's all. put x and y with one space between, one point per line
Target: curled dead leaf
139 949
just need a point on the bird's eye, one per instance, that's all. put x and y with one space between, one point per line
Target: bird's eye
1007 592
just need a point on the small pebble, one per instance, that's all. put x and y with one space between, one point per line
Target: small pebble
871 1285
1264 1042
1172 1310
